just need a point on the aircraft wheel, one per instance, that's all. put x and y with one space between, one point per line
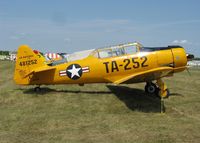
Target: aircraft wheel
37 89
151 88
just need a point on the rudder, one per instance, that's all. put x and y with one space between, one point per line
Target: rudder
26 61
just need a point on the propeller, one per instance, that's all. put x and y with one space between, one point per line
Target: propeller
188 71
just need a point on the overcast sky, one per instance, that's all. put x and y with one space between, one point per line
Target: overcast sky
74 25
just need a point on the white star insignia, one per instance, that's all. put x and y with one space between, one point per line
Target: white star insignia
74 71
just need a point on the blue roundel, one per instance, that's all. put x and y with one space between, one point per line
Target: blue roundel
74 71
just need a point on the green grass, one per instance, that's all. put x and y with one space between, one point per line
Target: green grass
98 112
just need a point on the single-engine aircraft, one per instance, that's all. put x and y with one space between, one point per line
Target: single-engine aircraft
122 64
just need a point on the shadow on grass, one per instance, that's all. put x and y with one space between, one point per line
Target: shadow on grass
136 99
176 94
46 90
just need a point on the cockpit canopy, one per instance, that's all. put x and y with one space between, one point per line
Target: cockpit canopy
112 51
118 50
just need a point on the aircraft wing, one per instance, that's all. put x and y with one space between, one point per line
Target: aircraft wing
40 69
146 75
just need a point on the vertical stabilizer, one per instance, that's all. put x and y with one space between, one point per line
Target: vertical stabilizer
26 61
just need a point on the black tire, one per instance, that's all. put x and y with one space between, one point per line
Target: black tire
151 88
37 89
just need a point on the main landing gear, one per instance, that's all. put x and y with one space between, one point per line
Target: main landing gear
160 89
151 88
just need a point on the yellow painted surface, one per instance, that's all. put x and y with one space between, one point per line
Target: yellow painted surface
31 68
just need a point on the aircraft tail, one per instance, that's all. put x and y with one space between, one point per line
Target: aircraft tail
27 60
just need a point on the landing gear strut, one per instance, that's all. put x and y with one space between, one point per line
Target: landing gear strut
160 89
163 90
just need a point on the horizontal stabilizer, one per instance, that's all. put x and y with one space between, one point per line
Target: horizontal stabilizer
40 69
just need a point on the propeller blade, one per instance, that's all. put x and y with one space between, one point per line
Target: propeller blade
188 71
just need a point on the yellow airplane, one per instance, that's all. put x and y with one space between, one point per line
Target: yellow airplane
122 64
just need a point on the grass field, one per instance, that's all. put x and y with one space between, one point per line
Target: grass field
98 112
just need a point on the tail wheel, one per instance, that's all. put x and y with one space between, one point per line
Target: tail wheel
151 88
37 89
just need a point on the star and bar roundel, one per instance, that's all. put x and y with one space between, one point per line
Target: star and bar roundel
74 71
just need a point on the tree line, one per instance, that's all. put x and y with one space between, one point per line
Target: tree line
4 53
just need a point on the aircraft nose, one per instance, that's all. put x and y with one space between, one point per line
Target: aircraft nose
189 57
